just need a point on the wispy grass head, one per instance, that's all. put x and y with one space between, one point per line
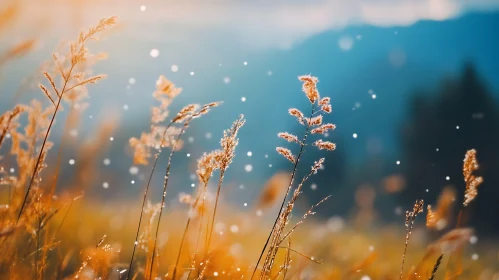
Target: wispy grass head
470 165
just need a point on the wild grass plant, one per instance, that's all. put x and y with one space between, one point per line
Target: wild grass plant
46 233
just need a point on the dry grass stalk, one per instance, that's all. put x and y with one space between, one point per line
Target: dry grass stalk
410 217
185 116
313 124
203 271
72 89
146 240
66 214
287 262
435 267
284 268
302 220
472 182
24 148
279 235
207 164
158 138
470 165
182 243
41 206
228 143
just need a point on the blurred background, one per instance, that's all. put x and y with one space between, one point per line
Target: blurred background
413 85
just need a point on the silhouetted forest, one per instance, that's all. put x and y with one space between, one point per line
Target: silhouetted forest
442 126
460 114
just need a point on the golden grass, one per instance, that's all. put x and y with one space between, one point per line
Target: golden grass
45 234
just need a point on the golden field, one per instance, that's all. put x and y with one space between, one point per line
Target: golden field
49 233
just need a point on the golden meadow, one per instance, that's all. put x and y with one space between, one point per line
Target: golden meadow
49 231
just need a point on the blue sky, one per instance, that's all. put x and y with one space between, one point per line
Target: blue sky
357 48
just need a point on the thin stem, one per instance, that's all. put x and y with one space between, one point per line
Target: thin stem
287 261
407 236
43 144
183 238
277 240
207 233
37 246
197 245
200 227
144 200
64 218
403 260
220 182
180 249
301 254
165 186
37 164
309 212
295 168
59 155
228 154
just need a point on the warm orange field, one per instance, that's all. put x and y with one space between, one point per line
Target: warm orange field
46 233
